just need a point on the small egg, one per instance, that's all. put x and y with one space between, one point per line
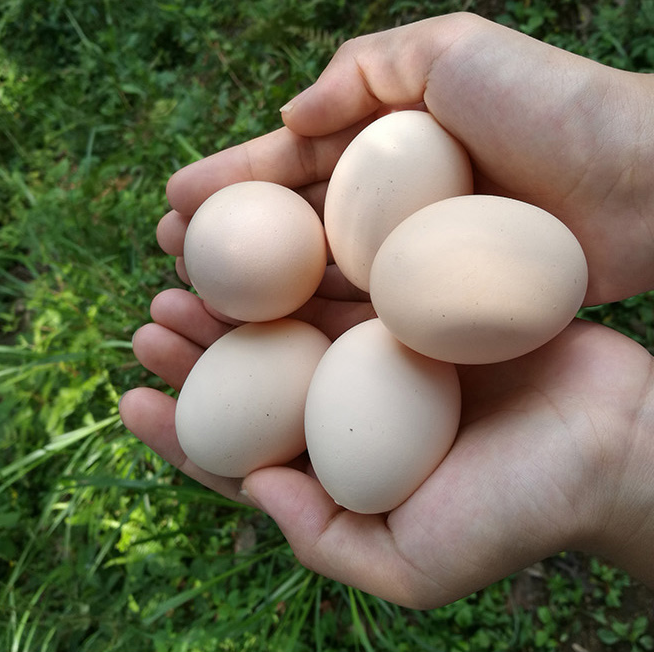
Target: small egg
379 418
255 251
396 165
242 405
478 279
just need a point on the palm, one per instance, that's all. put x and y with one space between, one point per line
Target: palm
516 487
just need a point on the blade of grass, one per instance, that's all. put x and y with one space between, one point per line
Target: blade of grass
287 588
16 470
188 148
189 594
363 601
362 635
22 623
318 634
183 492
17 179
299 619
45 645
36 360
283 592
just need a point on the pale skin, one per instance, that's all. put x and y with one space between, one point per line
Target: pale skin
556 448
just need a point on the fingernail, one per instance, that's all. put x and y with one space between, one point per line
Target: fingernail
245 497
291 104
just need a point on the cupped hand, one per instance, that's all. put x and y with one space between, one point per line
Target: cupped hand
554 453
554 450
540 124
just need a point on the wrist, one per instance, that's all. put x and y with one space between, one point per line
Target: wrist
618 522
626 247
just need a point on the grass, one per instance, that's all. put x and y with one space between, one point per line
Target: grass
103 545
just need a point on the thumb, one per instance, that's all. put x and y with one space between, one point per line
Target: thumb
356 549
387 68
296 501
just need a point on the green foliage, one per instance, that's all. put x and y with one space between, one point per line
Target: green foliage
633 317
616 33
103 545
614 631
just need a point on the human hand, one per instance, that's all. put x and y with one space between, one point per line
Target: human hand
554 453
540 124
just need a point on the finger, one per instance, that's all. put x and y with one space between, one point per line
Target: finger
186 314
150 416
452 62
314 193
335 286
333 318
171 231
280 157
462 530
180 268
516 104
388 68
165 353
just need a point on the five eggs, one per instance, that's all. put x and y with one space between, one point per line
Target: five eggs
453 277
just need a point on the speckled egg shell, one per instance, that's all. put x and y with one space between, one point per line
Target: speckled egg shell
478 279
242 405
379 418
396 165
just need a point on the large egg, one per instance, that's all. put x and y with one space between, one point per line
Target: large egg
478 279
396 165
255 251
379 418
242 405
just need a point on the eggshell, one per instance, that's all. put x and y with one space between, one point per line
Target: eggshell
478 279
396 165
255 251
242 405
379 418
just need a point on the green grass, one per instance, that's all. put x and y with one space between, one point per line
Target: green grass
103 545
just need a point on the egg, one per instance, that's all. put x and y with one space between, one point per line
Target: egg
255 251
379 418
242 405
478 279
396 165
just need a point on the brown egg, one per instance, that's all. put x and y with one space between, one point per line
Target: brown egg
379 418
255 251
478 279
396 165
242 405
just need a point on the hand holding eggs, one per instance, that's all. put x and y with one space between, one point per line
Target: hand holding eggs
454 278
